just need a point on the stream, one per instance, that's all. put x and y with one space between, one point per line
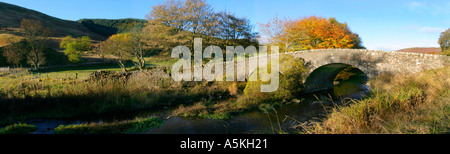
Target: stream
285 118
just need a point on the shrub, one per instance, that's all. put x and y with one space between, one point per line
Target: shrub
198 109
292 74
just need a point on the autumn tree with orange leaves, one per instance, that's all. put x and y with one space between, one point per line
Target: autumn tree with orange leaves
309 33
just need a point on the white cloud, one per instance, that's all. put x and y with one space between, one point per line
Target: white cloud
431 29
415 5
437 8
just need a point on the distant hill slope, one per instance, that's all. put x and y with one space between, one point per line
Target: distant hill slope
431 50
12 15
108 27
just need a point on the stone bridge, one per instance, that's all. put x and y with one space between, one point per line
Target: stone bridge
325 64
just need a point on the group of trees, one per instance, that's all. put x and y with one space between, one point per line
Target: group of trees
174 23
309 33
33 49
199 19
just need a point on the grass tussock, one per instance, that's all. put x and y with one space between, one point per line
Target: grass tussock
122 127
214 110
416 103
19 128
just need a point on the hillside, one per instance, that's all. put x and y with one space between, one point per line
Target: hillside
430 50
98 29
108 27
11 16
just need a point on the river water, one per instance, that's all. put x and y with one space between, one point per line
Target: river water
286 118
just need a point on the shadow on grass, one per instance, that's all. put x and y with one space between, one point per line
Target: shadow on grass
106 66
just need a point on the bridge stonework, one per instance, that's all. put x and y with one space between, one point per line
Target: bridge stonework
371 62
374 62
325 64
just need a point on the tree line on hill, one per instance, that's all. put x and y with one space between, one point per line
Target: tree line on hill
108 27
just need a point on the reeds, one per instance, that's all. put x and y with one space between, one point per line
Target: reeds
413 103
118 127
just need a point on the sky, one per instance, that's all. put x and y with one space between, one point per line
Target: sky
382 24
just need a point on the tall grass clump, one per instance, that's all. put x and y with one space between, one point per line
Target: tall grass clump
413 103
19 128
122 127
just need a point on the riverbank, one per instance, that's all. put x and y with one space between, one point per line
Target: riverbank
416 103
26 97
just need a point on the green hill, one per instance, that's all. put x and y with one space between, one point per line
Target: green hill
108 27
12 15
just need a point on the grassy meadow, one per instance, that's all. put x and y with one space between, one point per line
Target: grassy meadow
58 94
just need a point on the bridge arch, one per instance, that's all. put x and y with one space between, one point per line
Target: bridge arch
323 77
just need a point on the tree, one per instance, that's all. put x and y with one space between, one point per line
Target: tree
310 33
282 33
117 45
35 35
195 16
14 52
137 44
74 47
444 40
322 34
86 43
356 40
231 27
124 47
171 13
199 16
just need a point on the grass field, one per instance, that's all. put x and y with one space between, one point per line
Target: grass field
6 38
82 72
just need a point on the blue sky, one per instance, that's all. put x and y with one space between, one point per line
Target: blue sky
382 24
